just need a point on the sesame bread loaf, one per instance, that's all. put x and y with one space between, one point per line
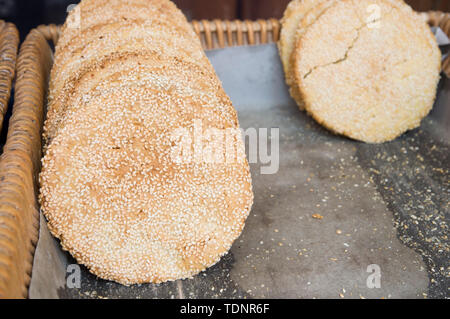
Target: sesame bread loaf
113 188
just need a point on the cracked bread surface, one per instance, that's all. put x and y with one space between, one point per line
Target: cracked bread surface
370 80
290 23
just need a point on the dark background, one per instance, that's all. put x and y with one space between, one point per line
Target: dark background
27 14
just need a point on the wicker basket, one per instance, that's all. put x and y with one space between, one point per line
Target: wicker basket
9 42
21 162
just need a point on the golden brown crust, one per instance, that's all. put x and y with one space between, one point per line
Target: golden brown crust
90 80
128 40
91 13
368 83
113 38
117 12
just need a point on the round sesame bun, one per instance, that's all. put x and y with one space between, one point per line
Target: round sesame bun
290 24
94 19
116 41
371 77
90 83
93 13
144 177
298 16
149 38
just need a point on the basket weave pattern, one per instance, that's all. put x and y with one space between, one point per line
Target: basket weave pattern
18 169
9 42
9 223
20 162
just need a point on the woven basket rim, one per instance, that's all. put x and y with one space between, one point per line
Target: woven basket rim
9 43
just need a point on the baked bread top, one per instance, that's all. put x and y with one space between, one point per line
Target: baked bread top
290 25
290 22
93 13
368 77
116 41
88 84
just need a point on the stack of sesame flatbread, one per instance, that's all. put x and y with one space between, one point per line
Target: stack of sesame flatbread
134 105
367 69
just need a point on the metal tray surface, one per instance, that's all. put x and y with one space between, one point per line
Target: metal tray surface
335 212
